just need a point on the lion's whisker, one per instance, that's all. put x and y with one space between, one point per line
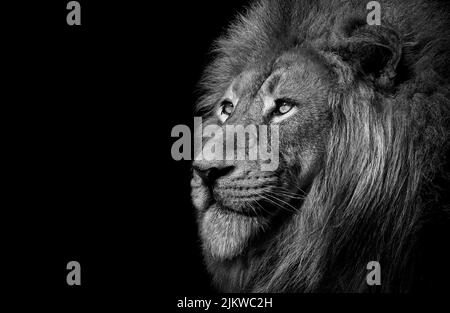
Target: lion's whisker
262 208
273 196
290 194
275 203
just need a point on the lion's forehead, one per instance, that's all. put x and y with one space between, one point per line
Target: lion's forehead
287 74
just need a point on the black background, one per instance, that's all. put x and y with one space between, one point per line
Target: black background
98 183
92 175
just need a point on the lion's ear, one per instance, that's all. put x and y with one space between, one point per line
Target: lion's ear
374 51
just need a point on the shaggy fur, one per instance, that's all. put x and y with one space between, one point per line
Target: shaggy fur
381 194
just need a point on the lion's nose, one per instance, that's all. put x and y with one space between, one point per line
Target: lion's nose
211 171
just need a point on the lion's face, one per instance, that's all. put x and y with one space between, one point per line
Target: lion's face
236 200
360 111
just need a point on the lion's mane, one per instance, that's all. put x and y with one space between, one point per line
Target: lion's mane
381 195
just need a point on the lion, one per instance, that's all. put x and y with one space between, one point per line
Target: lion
362 112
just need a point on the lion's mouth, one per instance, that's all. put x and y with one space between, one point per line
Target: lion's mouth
235 210
232 214
246 202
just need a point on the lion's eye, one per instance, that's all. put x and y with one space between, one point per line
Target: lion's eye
283 106
226 107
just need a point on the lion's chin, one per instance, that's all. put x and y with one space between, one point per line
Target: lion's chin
225 233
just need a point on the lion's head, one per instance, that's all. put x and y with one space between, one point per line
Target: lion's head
360 114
